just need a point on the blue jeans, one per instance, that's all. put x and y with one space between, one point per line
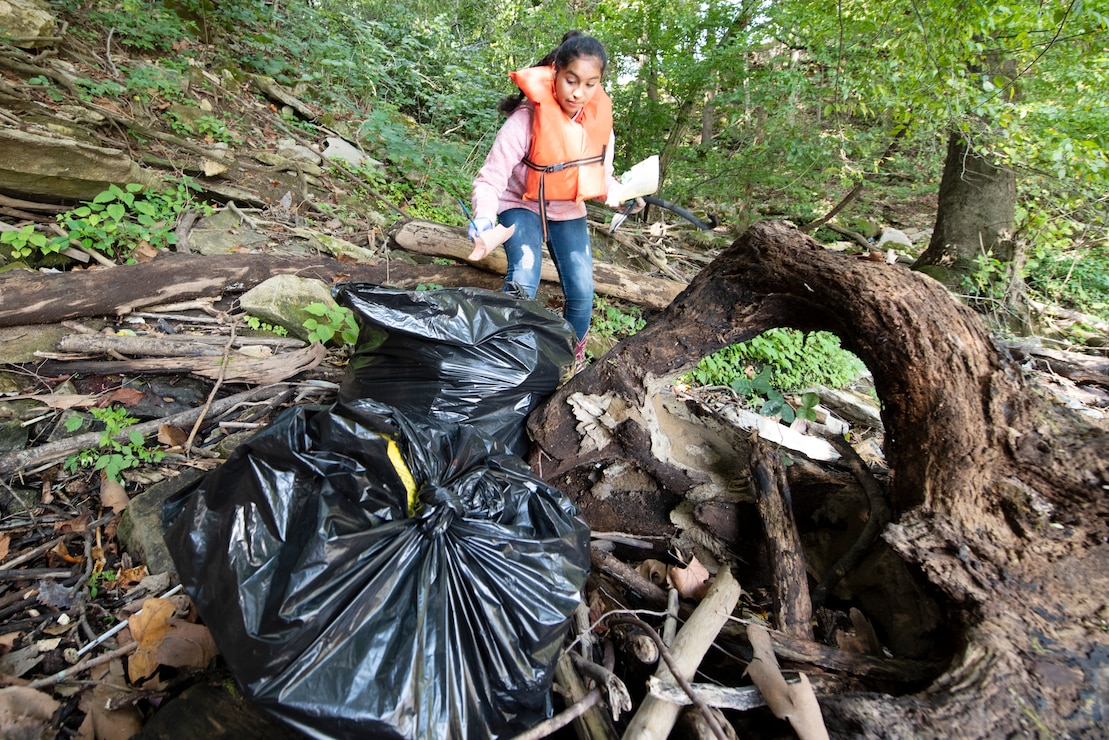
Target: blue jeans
568 244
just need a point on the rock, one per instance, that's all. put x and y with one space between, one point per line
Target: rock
893 236
214 712
35 165
81 114
292 151
26 24
281 300
140 528
919 236
869 229
343 151
282 163
222 233
18 344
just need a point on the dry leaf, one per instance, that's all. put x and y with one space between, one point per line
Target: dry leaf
692 581
102 723
26 713
130 577
172 436
57 400
60 555
112 495
166 640
5 545
77 526
148 628
126 396
654 571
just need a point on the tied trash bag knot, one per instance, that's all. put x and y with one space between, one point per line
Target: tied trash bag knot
440 507
338 611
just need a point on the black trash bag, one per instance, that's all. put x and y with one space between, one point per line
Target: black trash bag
461 355
365 575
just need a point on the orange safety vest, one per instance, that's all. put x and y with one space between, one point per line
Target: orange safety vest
567 158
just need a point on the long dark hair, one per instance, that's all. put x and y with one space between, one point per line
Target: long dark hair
574 45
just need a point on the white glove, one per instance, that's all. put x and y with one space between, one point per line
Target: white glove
615 195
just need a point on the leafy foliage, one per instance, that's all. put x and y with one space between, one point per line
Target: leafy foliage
334 322
614 321
142 26
783 359
757 390
113 223
111 455
255 323
117 220
758 109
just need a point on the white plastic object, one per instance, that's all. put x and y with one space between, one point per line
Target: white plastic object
640 180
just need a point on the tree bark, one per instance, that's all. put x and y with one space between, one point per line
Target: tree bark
35 298
977 209
999 499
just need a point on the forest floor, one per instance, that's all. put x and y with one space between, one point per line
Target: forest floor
95 641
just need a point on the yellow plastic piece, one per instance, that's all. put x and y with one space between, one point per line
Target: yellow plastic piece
404 474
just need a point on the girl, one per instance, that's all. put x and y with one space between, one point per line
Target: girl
554 152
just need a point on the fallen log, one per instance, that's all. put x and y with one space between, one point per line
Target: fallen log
439 240
998 498
236 366
40 298
24 460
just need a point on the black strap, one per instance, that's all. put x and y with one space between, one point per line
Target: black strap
543 169
703 225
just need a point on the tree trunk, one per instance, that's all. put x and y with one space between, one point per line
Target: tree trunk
999 498
977 202
674 138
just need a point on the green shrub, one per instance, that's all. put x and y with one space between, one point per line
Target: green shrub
111 455
118 220
334 322
794 359
614 321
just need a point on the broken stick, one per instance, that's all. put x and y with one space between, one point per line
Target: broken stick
655 717
795 703
12 462
792 606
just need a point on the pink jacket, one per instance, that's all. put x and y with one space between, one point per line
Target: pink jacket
500 183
